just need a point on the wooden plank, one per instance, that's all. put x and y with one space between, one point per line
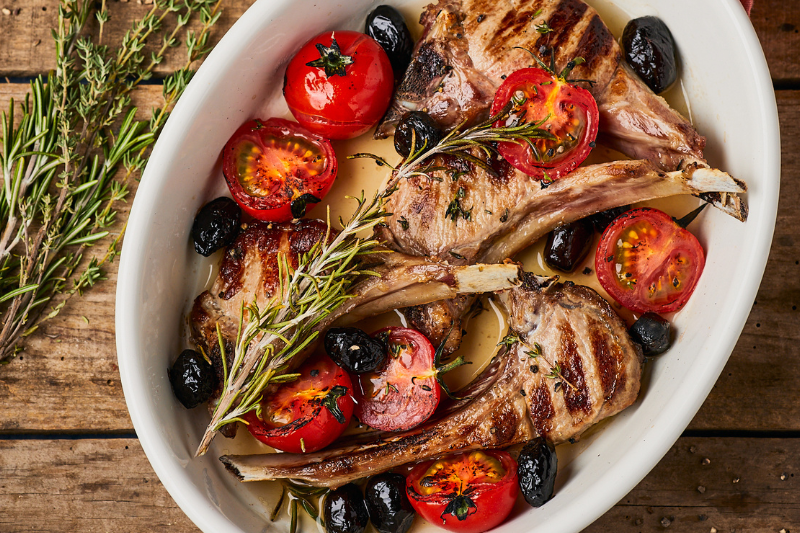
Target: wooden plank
81 392
108 485
777 23
763 364
26 47
721 483
83 485
67 378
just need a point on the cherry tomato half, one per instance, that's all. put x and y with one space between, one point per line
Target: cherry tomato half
339 84
276 169
404 392
307 414
571 115
647 262
468 492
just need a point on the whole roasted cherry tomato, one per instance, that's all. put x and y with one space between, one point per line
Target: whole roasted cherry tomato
307 414
469 492
403 392
647 262
339 84
276 169
569 113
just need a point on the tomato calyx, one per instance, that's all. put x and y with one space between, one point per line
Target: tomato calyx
331 59
461 506
331 404
300 204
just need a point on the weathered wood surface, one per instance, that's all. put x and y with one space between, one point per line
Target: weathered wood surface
26 48
66 384
99 485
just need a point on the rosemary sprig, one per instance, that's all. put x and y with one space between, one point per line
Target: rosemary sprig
290 323
306 496
77 132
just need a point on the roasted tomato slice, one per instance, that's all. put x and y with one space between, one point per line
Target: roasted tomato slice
404 392
276 169
647 262
339 84
569 113
468 492
307 414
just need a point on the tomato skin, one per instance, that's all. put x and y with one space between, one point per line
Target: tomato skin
491 502
665 266
270 143
340 107
303 401
545 95
404 392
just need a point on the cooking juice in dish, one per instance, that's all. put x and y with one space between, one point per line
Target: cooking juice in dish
484 328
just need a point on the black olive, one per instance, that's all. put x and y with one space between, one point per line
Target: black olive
345 510
354 350
536 469
602 219
652 332
422 124
216 225
650 51
386 25
568 244
387 503
192 379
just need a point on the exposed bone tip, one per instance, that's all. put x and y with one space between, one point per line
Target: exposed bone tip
231 467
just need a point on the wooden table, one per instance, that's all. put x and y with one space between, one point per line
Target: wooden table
70 460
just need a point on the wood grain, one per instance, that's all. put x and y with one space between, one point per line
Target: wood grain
98 485
26 48
89 485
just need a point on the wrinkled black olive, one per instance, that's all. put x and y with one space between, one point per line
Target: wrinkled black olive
216 225
568 244
422 124
354 350
602 219
652 332
345 510
192 379
386 25
536 469
650 51
387 503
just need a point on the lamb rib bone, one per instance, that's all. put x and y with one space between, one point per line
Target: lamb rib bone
512 401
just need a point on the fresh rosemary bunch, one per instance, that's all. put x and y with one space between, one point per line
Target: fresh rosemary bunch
66 161
289 324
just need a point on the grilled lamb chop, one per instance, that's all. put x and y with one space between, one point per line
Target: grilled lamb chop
468 47
509 213
249 270
512 401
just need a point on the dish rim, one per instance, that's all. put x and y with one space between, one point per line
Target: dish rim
687 399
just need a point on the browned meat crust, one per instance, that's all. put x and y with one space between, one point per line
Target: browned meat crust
513 401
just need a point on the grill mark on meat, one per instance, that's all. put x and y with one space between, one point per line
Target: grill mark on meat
609 361
541 408
427 70
577 400
596 45
566 17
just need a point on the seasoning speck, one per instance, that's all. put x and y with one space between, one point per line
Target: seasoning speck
522 391
736 480
666 521
783 477
314 373
692 449
706 461
701 489
587 271
6 11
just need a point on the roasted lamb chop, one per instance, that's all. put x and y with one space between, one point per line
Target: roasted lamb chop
516 398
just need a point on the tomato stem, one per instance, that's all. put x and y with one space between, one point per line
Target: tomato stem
688 219
331 59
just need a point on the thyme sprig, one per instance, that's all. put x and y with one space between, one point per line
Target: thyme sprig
76 133
288 325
